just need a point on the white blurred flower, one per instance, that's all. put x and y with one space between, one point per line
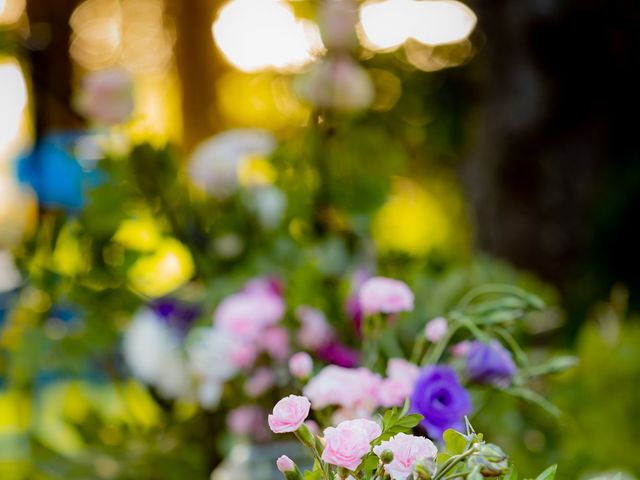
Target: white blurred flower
10 277
215 163
337 83
210 353
152 352
269 204
106 97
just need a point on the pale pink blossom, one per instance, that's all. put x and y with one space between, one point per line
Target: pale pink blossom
259 382
461 349
393 392
385 295
313 427
314 331
248 314
401 369
289 413
268 285
243 354
285 464
349 442
436 329
275 341
344 387
301 365
343 414
107 96
407 450
247 420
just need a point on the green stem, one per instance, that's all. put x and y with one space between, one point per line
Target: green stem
436 351
452 462
521 356
490 289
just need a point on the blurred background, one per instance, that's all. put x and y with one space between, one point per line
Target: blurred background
491 139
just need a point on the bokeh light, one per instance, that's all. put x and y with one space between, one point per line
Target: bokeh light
265 34
13 102
388 24
11 11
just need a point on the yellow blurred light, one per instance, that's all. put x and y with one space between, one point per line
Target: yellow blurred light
256 171
265 34
11 11
439 22
412 221
262 100
13 101
140 234
18 211
387 24
167 269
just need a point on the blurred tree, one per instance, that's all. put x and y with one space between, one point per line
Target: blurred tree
48 47
199 65
556 88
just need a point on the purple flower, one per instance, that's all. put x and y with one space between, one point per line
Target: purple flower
336 353
440 398
176 315
490 363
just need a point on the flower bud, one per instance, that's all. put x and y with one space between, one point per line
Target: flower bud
285 464
305 436
386 456
425 469
490 460
301 365
436 329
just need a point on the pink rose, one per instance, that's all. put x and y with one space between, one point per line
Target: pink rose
107 96
314 331
407 450
285 464
345 387
346 444
243 354
401 369
301 365
248 314
247 420
275 341
289 413
259 382
385 295
393 392
461 349
436 329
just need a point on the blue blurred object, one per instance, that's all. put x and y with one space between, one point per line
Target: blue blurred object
56 174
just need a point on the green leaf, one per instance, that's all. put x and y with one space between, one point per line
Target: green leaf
455 442
513 473
548 474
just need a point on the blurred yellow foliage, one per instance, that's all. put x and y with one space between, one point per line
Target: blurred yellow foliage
163 271
413 221
139 234
256 171
259 100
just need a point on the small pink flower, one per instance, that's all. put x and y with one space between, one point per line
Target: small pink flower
407 450
401 369
107 96
285 464
461 349
248 314
313 427
247 420
346 444
259 382
275 341
314 331
345 387
393 392
385 295
289 413
301 365
243 354
436 329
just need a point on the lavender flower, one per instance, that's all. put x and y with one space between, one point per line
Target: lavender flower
440 398
490 363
